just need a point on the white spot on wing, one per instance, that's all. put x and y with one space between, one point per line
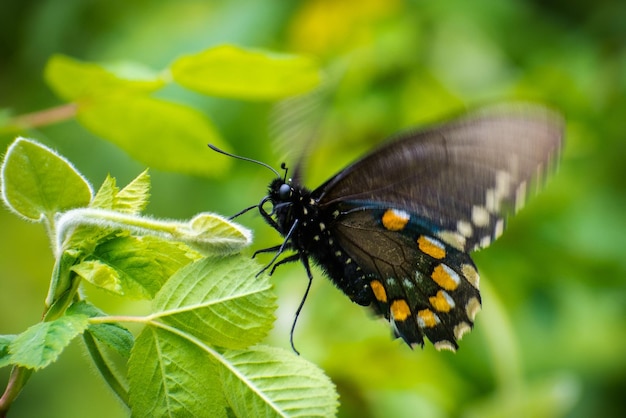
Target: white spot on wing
464 228
452 238
444 345
499 228
461 329
472 308
480 216
471 275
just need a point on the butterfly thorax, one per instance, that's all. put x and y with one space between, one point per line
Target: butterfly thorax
312 237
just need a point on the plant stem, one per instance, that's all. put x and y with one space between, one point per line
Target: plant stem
44 117
17 380
120 318
104 369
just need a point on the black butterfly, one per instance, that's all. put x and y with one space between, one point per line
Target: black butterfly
394 229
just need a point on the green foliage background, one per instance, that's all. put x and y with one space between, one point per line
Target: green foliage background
552 336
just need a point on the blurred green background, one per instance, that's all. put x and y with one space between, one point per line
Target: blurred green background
551 339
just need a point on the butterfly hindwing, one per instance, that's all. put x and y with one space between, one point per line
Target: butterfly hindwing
418 282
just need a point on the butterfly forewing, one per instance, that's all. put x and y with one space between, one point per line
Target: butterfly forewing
464 177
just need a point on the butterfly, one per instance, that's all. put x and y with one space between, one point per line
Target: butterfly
395 229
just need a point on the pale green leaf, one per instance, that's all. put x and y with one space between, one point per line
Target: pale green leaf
160 134
171 377
37 182
135 196
112 335
99 274
141 263
272 382
73 80
106 194
212 234
131 199
234 72
220 301
42 343
5 357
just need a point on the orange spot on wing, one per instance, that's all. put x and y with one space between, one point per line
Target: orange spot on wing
445 277
400 310
379 291
430 247
395 220
440 302
427 318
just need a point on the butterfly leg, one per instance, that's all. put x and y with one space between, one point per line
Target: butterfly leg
280 249
290 259
267 250
305 261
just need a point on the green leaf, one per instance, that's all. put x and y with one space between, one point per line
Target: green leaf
160 134
135 196
99 274
230 71
106 194
112 335
171 377
42 343
131 199
220 301
272 382
134 266
72 79
212 234
37 182
5 357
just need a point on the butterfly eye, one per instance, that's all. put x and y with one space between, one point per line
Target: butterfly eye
284 192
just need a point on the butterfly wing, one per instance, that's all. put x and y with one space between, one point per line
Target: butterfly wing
422 285
409 213
462 178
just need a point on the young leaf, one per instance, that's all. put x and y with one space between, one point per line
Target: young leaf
5 357
212 234
134 197
134 266
171 377
220 301
160 134
272 382
230 71
106 194
73 80
112 335
100 274
37 182
42 343
131 199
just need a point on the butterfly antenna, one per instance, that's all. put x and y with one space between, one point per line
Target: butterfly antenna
239 157
284 167
241 212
